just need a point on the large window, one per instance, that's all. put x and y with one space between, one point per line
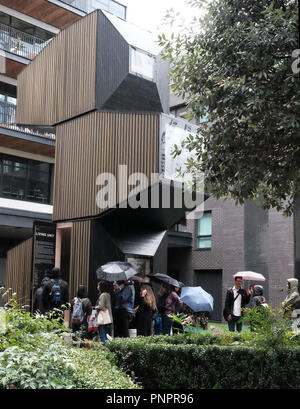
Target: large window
204 231
24 179
142 63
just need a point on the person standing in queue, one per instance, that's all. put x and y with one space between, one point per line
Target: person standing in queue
123 307
236 300
172 305
103 303
145 310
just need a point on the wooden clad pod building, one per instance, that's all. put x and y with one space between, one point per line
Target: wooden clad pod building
96 63
105 88
60 82
98 143
19 271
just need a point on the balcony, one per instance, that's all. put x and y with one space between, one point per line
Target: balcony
8 118
22 44
111 6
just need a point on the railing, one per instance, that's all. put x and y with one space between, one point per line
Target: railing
111 6
78 4
7 113
28 130
8 119
20 43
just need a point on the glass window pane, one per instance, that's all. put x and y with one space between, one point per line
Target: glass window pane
37 192
12 100
204 242
117 9
204 224
142 64
24 179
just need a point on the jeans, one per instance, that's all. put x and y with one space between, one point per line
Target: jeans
158 325
234 323
167 325
102 333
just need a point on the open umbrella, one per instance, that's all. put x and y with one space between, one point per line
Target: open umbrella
197 299
250 275
115 271
165 279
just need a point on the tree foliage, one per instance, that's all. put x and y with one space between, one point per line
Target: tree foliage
236 60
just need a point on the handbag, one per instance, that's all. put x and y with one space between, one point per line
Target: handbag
103 317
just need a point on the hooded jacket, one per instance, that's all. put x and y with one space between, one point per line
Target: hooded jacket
292 299
258 298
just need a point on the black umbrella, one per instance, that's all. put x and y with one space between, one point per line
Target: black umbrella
165 278
115 271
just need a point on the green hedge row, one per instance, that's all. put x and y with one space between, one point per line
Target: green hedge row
166 365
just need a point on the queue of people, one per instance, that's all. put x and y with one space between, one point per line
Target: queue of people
124 305
237 299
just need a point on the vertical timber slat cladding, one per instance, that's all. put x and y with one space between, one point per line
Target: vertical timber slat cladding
98 143
19 271
67 63
80 256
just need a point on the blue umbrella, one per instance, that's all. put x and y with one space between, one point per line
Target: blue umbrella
197 299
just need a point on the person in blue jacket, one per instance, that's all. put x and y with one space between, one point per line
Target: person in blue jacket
123 307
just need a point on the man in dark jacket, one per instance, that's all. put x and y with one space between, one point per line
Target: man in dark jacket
236 300
55 292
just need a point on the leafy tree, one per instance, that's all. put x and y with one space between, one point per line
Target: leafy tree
236 60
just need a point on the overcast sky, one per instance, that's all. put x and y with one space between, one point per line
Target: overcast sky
149 14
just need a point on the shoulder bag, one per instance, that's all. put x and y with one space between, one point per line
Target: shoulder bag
103 317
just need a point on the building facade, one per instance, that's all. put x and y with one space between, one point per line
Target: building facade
109 104
27 153
229 238
91 110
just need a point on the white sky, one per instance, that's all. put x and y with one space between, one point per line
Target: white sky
149 14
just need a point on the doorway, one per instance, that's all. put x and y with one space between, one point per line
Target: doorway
211 282
63 249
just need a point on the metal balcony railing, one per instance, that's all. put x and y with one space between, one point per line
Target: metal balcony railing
7 113
8 119
78 4
20 43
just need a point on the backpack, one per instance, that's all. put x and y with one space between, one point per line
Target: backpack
55 294
78 314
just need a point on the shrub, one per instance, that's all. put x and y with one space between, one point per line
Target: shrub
34 355
171 365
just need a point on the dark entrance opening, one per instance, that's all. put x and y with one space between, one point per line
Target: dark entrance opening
211 281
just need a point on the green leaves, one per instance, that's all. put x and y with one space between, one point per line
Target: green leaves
239 64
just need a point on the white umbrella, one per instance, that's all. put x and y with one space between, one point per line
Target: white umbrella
115 271
250 275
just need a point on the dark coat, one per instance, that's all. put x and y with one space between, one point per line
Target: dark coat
47 290
143 318
229 300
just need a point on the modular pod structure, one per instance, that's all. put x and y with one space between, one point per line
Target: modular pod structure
104 86
98 63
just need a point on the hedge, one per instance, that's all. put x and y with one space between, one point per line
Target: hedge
170 365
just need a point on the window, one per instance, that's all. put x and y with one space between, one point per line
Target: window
24 179
142 63
7 109
204 231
